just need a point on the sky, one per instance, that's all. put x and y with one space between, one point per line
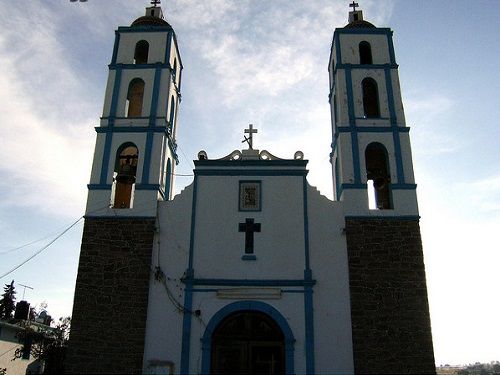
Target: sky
265 63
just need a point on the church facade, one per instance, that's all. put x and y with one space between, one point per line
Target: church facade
250 269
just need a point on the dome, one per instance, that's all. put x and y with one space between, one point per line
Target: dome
360 24
150 21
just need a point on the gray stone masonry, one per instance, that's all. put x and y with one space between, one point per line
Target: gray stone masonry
111 296
390 313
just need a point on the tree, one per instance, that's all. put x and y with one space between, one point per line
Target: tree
7 305
48 345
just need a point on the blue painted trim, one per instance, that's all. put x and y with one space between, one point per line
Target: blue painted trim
352 125
376 30
114 97
306 225
309 322
250 172
141 29
403 186
137 186
374 129
253 163
112 217
206 341
188 296
147 158
193 225
154 98
109 136
105 158
397 217
131 129
252 282
115 47
353 186
392 55
367 66
138 66
168 49
293 291
248 257
186 329
395 136
99 186
147 187
260 195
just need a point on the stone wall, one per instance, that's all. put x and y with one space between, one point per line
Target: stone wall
390 313
111 296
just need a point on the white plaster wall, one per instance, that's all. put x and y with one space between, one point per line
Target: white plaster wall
341 97
157 44
331 298
144 204
349 47
164 322
356 203
407 157
95 174
398 101
344 149
219 244
108 94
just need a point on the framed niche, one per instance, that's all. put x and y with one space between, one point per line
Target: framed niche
250 196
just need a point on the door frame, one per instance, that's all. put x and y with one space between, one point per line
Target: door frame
258 306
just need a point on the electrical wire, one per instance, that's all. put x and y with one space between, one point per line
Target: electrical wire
42 249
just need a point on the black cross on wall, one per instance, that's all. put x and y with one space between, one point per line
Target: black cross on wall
249 227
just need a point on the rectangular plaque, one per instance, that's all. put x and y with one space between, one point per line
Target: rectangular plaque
250 198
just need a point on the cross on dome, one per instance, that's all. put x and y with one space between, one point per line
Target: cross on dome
353 5
155 2
249 140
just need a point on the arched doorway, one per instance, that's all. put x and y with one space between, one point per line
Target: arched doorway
248 342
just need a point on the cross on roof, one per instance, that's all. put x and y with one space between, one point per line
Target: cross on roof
353 5
155 2
249 140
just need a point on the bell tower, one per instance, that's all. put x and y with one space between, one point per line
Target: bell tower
134 160
371 152
135 152
373 179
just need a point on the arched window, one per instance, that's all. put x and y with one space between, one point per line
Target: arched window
378 177
172 114
370 98
135 94
125 173
365 53
141 52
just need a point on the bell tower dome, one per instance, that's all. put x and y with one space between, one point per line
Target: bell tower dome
135 153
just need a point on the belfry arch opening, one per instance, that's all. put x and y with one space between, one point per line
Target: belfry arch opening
378 177
248 342
365 53
125 172
141 52
135 95
371 106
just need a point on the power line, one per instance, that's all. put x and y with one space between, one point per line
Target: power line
42 249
